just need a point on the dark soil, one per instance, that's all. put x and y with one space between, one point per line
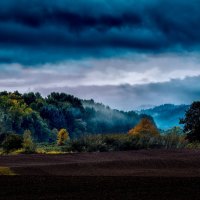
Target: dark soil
145 174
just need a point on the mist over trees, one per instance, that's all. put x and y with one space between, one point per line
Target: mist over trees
44 117
166 116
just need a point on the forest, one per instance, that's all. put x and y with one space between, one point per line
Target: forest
45 116
64 123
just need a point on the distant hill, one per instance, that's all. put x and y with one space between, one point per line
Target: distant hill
167 115
103 119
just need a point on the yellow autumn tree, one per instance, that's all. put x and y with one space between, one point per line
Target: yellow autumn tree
63 136
144 127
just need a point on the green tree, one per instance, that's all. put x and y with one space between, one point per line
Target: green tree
191 122
12 112
12 142
53 135
63 135
28 144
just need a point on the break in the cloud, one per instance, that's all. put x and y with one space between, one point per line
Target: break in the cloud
122 53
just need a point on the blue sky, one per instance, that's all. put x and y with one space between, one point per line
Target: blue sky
121 53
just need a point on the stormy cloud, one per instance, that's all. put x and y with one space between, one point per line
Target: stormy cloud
121 53
58 30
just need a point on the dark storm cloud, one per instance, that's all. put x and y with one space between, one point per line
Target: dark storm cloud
37 13
47 31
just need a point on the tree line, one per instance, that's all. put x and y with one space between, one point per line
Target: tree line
45 116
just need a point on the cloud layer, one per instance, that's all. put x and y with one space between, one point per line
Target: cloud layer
130 97
122 53
56 30
123 82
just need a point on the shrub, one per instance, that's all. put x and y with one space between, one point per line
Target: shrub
124 142
28 144
12 142
193 145
174 138
103 143
87 144
46 148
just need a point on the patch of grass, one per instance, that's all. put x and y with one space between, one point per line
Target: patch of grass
55 152
1 152
13 152
193 145
45 148
16 152
6 171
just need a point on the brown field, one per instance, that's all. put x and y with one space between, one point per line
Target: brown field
144 174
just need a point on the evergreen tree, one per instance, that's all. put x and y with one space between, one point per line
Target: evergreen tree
192 122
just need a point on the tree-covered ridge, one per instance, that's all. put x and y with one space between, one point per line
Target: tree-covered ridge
166 116
44 116
107 120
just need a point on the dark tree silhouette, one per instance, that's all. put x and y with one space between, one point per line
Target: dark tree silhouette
192 122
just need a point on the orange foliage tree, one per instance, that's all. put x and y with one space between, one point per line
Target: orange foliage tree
144 127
